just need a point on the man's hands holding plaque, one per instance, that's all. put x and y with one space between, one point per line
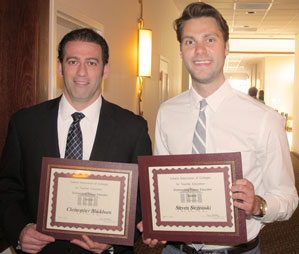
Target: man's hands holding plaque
244 198
32 241
150 242
88 244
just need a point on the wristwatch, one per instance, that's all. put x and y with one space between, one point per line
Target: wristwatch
262 208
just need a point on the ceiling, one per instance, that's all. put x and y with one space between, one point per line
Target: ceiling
255 19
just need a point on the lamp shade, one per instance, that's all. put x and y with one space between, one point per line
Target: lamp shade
144 52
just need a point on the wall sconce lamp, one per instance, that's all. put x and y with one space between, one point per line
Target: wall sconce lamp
144 52
144 56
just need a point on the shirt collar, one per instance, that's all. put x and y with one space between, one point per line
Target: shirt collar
91 112
214 100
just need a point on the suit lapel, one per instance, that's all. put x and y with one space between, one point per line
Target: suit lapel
49 121
105 130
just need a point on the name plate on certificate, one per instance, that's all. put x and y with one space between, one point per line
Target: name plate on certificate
94 198
188 198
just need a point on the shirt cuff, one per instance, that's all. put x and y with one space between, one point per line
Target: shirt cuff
272 209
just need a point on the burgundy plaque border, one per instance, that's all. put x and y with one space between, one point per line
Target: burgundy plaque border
145 162
127 222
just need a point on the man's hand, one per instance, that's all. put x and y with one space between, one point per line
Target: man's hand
33 241
244 197
88 244
150 242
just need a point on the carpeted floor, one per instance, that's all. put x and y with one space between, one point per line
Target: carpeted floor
276 238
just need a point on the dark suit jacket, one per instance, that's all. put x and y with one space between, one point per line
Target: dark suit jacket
32 134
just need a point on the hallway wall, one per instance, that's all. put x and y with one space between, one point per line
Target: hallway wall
279 83
159 16
120 21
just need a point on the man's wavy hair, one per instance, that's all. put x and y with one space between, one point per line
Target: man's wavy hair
198 10
86 35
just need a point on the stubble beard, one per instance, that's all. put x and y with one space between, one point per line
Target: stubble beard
203 80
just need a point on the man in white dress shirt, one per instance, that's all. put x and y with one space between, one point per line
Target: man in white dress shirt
234 123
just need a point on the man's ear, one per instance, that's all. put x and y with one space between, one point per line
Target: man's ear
226 51
59 68
106 71
181 54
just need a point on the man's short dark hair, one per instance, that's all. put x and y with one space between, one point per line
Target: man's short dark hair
198 10
261 95
252 91
86 35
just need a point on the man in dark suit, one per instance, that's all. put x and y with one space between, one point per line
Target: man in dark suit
109 133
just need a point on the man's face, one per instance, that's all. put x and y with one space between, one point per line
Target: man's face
83 72
203 51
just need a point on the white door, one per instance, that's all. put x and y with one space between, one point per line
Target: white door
164 80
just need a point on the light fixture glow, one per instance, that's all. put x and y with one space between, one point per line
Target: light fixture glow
144 52
258 84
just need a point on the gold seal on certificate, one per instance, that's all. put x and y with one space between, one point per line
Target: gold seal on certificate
88 197
187 198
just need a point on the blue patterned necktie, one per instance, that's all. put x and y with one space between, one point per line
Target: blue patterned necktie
199 137
74 148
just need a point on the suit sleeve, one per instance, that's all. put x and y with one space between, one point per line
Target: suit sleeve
13 215
143 147
143 144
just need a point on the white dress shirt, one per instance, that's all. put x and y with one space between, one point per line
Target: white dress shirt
88 124
235 123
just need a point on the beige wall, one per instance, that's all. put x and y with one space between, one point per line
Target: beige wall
279 82
159 16
295 145
261 73
119 19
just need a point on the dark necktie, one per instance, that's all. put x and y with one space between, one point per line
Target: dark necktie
74 148
199 138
